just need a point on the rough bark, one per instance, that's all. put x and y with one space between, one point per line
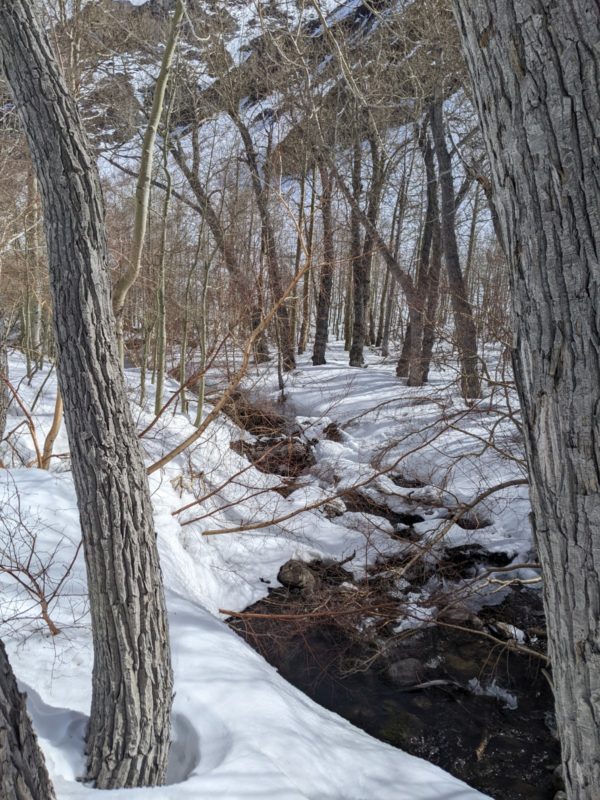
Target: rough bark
426 275
358 302
410 364
260 186
23 773
326 278
129 731
4 397
431 309
534 66
382 307
361 333
464 325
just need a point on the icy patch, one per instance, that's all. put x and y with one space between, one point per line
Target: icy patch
493 690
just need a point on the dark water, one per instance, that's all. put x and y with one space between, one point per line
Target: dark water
501 742
509 753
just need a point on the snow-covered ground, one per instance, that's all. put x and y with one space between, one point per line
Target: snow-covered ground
241 731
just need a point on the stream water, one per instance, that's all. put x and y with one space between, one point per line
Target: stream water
448 694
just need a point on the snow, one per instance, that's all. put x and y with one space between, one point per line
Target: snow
240 730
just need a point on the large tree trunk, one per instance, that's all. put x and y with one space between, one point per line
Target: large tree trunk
129 732
23 773
464 326
534 65
326 280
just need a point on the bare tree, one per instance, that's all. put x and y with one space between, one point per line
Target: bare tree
326 281
129 732
464 326
534 66
23 773
4 399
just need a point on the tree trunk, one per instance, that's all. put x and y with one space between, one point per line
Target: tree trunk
298 256
431 309
269 247
534 65
464 326
305 326
161 309
382 307
326 281
389 312
23 773
129 731
142 192
358 294
4 398
410 364
361 332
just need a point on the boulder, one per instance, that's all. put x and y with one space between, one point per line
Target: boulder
405 671
295 574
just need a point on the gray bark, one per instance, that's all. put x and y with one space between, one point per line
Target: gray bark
464 326
361 333
4 398
357 295
534 65
326 278
260 185
410 364
129 731
382 307
23 773
433 297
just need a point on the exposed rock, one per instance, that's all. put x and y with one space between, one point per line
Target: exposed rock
333 432
406 482
405 671
470 520
334 508
297 575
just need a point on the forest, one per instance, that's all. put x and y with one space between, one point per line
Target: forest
299 391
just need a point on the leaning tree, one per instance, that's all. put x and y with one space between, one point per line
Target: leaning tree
129 731
535 70
23 773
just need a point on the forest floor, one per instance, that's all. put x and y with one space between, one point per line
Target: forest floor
389 475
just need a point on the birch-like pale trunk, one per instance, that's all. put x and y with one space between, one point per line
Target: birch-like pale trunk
535 67
161 310
142 192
